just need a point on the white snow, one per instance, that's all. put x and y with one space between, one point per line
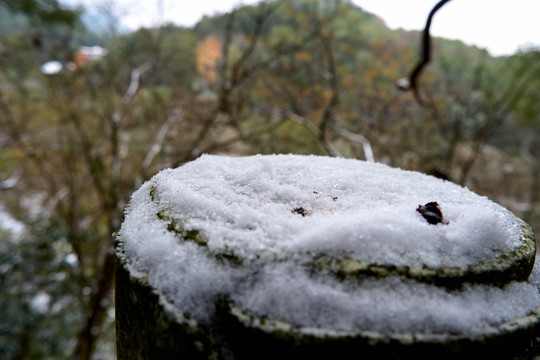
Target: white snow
245 206
14 229
40 302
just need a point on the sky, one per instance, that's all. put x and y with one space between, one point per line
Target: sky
502 27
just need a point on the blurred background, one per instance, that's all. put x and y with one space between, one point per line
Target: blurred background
94 100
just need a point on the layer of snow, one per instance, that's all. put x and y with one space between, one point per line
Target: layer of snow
246 207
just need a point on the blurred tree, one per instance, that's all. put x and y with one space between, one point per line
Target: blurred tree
45 11
525 70
90 136
39 303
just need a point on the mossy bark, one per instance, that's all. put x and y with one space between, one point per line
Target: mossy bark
512 266
145 331
249 339
148 328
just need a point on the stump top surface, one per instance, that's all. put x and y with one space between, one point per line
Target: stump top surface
249 228
280 205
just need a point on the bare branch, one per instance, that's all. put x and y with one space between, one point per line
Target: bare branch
329 110
131 90
155 148
232 75
411 83
366 145
245 136
315 131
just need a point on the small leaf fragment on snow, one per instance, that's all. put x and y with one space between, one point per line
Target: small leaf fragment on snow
302 211
432 213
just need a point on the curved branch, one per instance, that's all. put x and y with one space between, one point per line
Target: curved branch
357 138
174 117
411 83
315 131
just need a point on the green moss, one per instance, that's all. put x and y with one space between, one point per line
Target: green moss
175 226
126 210
251 335
154 195
512 266
229 257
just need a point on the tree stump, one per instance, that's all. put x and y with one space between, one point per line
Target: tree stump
289 256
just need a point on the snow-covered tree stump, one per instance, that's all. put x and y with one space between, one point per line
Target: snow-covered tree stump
289 256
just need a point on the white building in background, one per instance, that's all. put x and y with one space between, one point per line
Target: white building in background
91 53
81 57
86 54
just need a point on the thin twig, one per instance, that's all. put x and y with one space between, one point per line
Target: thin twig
315 131
131 90
155 148
366 145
